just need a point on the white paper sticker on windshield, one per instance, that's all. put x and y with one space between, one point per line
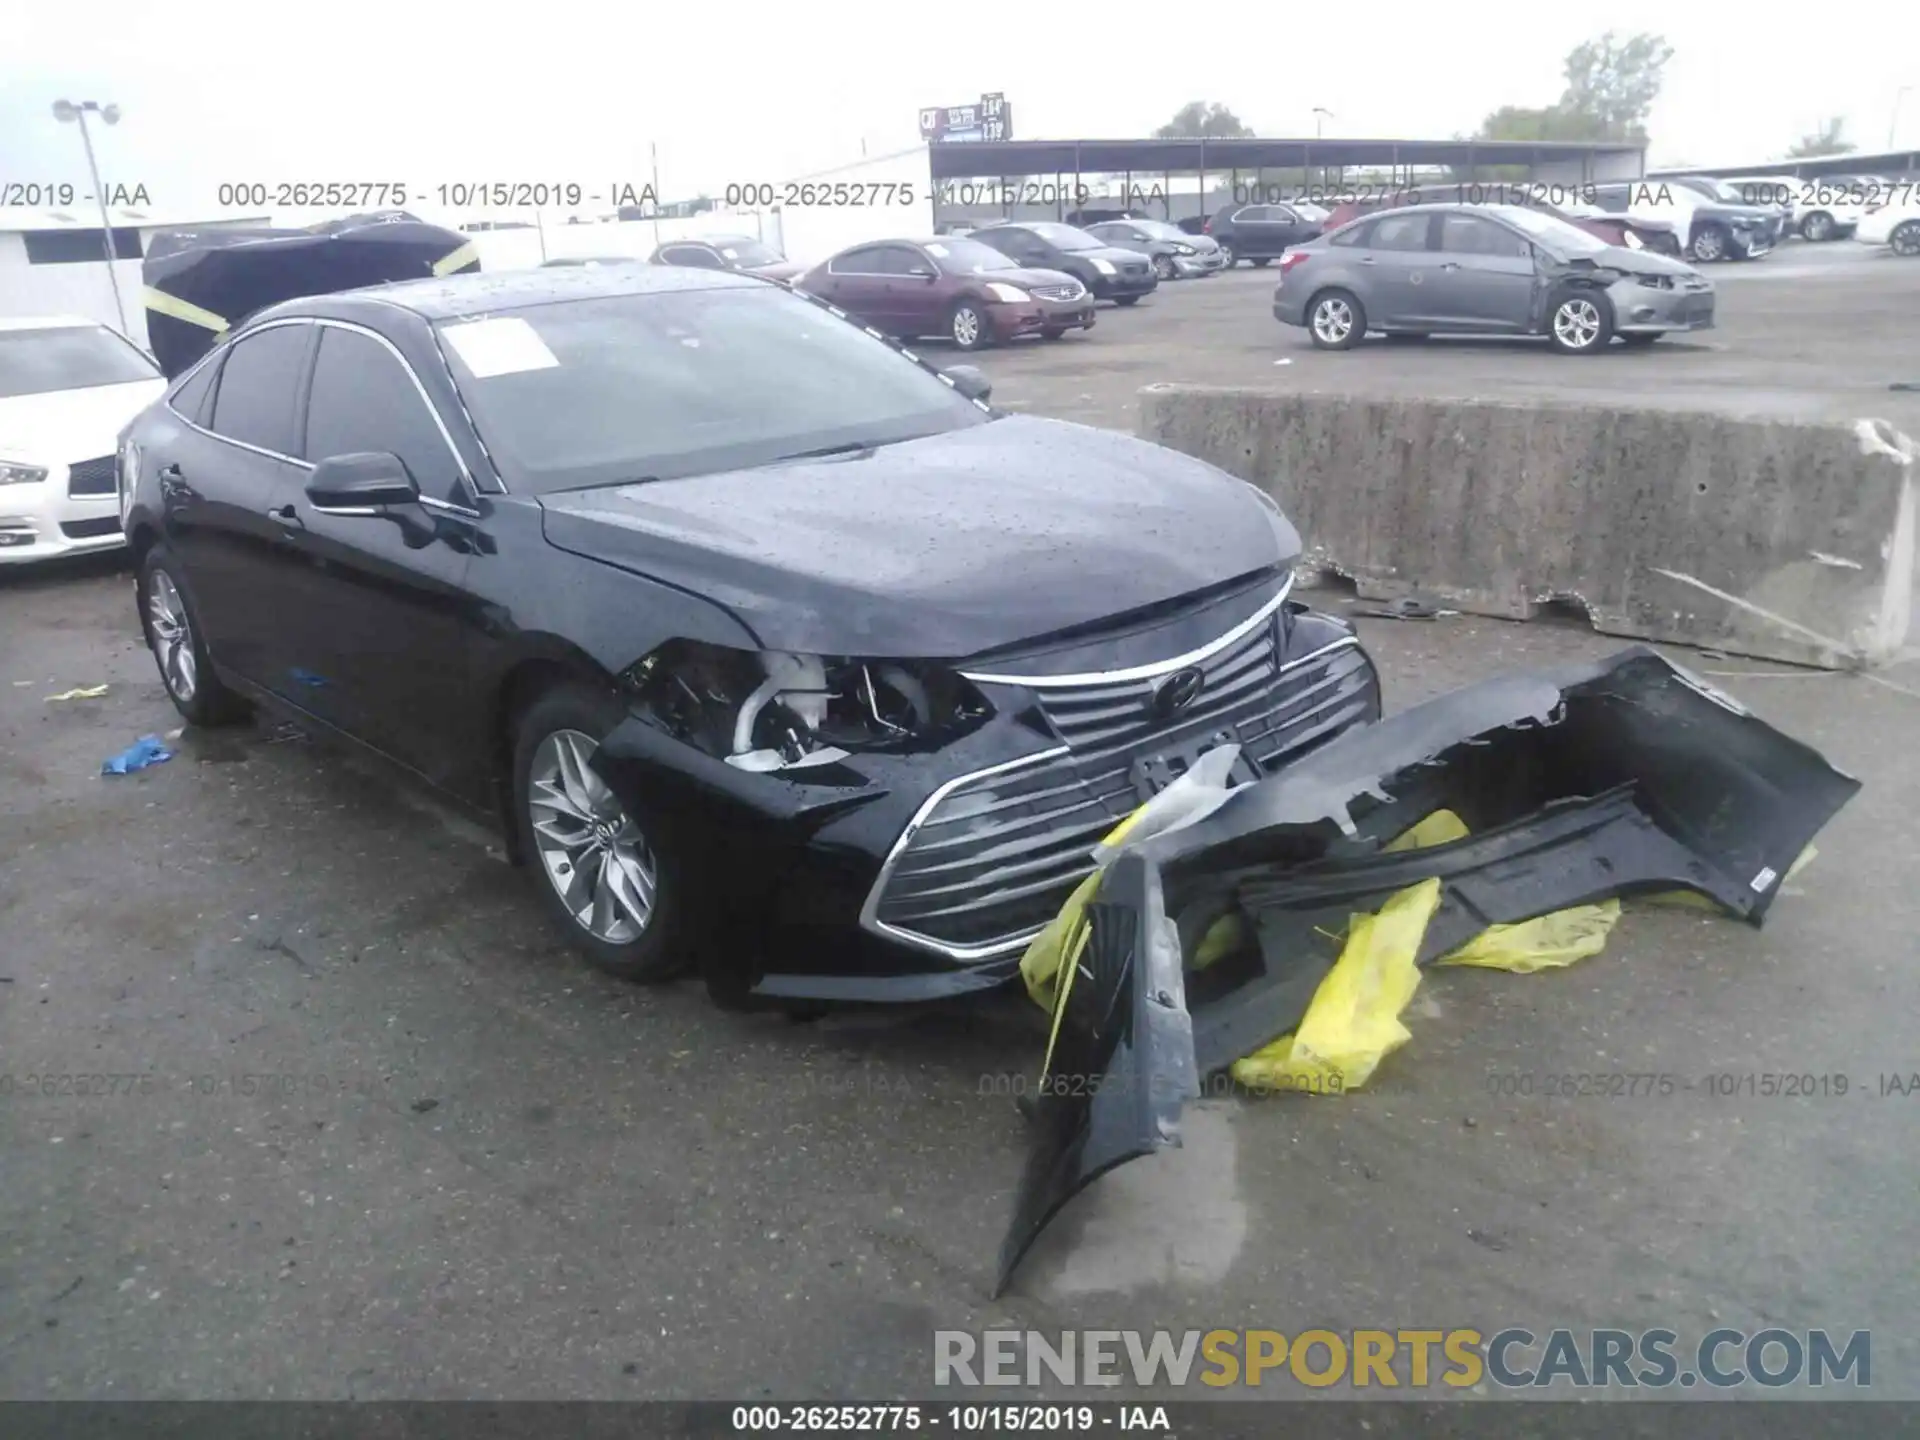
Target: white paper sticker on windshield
505 346
940 250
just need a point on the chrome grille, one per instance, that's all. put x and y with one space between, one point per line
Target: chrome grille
1058 292
92 477
996 855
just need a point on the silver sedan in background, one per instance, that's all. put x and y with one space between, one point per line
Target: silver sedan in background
1175 254
1485 270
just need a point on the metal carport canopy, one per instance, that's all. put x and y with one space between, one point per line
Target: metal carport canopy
982 159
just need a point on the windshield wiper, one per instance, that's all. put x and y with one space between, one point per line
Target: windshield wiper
850 447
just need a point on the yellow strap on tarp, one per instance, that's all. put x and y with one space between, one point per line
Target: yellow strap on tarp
456 259
161 303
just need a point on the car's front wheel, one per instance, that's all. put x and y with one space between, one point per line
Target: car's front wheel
1163 266
1336 320
607 874
1581 324
171 623
1905 239
1713 242
1227 257
968 326
1817 226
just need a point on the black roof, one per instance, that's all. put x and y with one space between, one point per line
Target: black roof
486 293
1068 157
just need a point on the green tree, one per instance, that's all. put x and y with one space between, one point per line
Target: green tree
1611 85
1827 140
1199 119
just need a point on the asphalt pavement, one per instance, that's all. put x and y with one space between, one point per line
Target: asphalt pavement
365 1129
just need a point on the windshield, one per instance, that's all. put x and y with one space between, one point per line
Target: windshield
67 357
967 257
1065 237
742 251
656 386
1552 231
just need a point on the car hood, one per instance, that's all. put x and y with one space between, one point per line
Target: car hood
1638 262
943 547
778 270
64 426
1109 252
1738 214
1027 276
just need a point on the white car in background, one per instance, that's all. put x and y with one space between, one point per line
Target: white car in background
67 386
1829 209
1895 224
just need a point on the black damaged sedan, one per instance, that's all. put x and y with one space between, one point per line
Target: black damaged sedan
771 649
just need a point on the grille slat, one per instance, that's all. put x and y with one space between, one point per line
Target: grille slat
1058 292
997 857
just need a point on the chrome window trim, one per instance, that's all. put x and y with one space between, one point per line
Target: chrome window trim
1148 671
870 910
321 321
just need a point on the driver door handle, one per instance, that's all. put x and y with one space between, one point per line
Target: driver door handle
1366 260
1449 264
288 516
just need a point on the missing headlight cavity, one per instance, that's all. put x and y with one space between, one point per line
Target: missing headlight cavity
775 710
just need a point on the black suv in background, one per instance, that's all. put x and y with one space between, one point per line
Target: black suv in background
1260 232
1111 273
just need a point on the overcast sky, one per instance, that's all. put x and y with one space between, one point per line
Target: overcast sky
423 94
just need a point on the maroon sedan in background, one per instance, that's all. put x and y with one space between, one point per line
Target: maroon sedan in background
949 286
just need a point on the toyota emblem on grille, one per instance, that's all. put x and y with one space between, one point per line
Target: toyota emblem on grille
1176 692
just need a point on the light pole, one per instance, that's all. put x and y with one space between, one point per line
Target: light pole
69 112
1320 118
1893 124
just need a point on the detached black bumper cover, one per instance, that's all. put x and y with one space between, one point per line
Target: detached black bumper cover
1626 777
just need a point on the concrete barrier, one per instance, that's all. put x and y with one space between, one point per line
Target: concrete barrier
1786 540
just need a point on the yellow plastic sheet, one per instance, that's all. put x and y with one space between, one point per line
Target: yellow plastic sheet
1354 1020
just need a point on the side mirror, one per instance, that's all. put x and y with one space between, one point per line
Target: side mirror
970 381
365 481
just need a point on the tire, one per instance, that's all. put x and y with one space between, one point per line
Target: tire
967 326
1126 299
1163 267
1714 242
618 852
1817 227
1905 239
1580 323
1227 258
170 621
1260 262
1326 313
1640 340
1052 332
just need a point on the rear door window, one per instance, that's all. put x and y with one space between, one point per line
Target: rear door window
258 386
1399 232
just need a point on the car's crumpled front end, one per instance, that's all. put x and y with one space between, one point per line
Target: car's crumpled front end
1626 777
899 830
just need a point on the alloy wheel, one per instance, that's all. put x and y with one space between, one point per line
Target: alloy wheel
1163 267
1332 320
172 637
1708 245
1577 324
1818 227
594 855
1226 256
1905 239
966 327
